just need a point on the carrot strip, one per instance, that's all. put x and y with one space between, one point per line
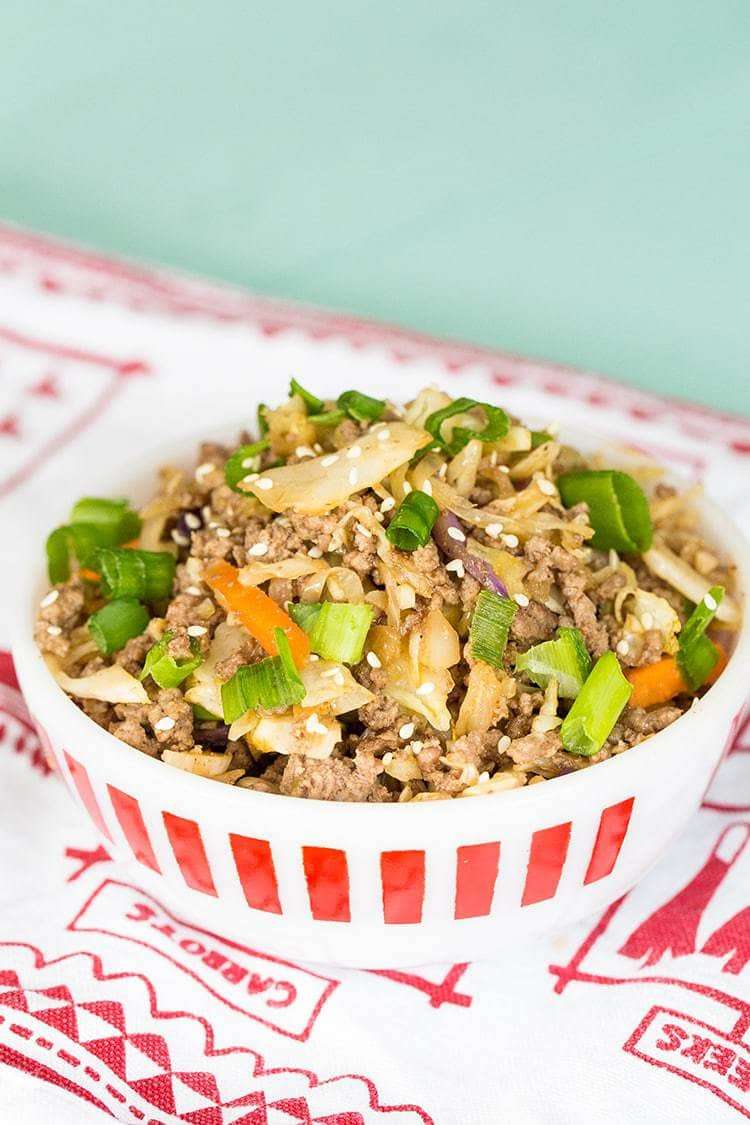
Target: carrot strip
662 681
259 614
89 575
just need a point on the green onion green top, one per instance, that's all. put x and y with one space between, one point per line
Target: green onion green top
148 575
271 684
163 669
114 624
497 425
115 519
618 509
565 659
413 521
244 461
697 656
598 706
313 404
490 625
328 418
362 408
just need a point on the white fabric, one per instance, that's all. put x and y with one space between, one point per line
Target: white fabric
142 1032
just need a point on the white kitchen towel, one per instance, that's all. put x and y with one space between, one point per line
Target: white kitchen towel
110 1004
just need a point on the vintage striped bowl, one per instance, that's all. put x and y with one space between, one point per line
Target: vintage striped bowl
388 886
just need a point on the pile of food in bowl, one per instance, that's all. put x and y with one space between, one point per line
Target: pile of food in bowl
374 603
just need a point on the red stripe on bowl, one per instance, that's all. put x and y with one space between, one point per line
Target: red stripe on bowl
254 864
613 828
549 847
476 873
86 793
128 813
187 845
402 877
327 876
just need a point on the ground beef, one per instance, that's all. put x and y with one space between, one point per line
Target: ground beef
583 611
478 749
346 433
532 624
130 726
316 531
170 704
523 706
280 539
131 657
334 779
643 723
250 652
426 560
57 619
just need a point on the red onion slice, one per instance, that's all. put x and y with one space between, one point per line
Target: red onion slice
455 548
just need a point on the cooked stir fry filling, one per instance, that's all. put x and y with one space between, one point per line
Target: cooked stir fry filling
369 603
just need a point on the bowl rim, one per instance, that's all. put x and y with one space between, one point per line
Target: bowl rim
727 694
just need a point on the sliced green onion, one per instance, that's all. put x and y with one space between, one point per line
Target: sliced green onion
328 418
201 713
565 659
58 555
497 425
163 669
618 508
147 575
490 625
337 630
597 708
262 422
413 521
362 408
697 656
116 521
313 404
272 683
114 624
244 461
540 437
304 613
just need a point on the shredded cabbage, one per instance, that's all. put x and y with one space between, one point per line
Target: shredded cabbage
677 573
204 688
110 685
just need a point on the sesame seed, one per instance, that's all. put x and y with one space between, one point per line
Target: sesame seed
258 549
49 599
510 540
427 488
353 452
353 476
406 731
180 539
379 517
204 469
315 553
647 620
317 447
373 660
249 478
192 521
442 471
484 776
331 459
457 534
304 451
264 484
339 679
206 512
165 724
387 758
416 746
329 673
314 725
387 504
521 599
250 462
546 486
504 468
222 533
456 567
494 530
623 647
503 743
54 630
383 435
363 530
710 603
426 688
196 630
407 488
195 591
493 458
313 656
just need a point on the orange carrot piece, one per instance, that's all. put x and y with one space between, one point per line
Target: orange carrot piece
259 614
662 681
89 575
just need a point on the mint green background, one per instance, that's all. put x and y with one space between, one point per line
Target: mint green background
565 180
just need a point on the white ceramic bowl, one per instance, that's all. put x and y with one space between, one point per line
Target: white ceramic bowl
387 886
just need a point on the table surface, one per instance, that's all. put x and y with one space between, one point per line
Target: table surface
566 181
